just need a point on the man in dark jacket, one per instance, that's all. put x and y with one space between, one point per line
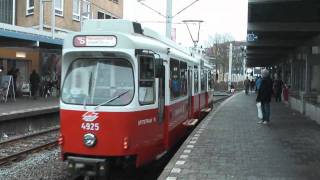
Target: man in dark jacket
34 82
264 96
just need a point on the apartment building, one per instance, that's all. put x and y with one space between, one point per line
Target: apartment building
27 41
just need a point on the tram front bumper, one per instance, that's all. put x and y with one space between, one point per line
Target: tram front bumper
87 166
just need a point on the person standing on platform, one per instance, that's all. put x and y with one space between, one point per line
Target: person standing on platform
264 96
247 85
258 83
277 87
34 82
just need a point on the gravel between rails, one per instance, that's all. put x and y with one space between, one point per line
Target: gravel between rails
42 165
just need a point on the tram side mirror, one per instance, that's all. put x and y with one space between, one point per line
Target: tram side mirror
158 67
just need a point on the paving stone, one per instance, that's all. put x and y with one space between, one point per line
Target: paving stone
234 146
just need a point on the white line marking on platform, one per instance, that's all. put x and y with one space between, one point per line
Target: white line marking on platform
180 162
184 156
190 146
187 151
197 135
193 142
171 178
175 170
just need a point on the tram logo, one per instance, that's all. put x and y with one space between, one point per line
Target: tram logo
90 116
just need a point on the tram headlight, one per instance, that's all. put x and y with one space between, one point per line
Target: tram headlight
89 140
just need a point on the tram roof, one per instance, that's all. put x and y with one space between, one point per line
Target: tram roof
130 35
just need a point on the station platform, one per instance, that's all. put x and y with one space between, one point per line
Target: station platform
27 106
230 144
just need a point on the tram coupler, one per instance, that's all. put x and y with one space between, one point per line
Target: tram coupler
88 166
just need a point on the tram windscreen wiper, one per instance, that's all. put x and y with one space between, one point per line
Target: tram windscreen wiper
89 91
112 99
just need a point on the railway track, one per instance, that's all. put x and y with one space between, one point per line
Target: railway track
19 147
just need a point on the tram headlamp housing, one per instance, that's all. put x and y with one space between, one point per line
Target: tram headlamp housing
89 140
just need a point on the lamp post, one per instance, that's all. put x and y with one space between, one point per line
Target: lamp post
230 66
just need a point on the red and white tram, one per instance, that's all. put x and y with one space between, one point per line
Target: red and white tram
128 94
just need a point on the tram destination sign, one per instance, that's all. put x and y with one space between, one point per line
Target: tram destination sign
95 41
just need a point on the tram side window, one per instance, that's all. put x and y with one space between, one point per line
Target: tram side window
196 80
146 80
175 79
183 79
210 79
203 80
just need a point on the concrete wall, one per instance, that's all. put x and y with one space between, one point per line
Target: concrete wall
313 112
22 19
315 78
296 104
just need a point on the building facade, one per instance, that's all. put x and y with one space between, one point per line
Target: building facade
27 41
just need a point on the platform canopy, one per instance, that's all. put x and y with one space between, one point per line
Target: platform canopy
278 27
16 36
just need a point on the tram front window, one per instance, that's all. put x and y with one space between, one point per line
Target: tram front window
95 81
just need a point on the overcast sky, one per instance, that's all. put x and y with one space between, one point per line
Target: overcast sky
219 16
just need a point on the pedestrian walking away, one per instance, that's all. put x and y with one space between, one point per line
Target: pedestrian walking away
277 87
264 96
34 82
247 85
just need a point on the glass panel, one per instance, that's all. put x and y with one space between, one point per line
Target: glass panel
183 79
175 78
76 7
100 15
93 82
203 80
58 4
196 80
146 80
86 9
107 16
31 3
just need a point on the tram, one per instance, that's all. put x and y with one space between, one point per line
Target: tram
128 95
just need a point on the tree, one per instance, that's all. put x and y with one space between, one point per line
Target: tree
218 48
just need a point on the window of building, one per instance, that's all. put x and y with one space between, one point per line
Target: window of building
58 7
196 79
183 79
115 1
102 15
146 80
175 79
86 9
30 7
76 10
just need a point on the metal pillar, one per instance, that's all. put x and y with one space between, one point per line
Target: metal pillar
244 69
169 19
14 12
307 82
230 66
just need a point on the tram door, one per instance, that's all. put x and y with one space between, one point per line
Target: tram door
161 93
190 91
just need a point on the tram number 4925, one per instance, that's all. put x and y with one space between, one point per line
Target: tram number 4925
90 126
